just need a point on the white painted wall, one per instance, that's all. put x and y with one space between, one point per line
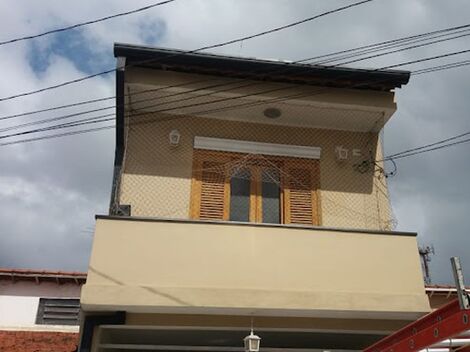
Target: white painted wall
18 310
19 313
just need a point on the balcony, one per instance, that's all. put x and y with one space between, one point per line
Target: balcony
197 267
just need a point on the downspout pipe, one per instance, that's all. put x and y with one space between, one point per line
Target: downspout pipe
114 206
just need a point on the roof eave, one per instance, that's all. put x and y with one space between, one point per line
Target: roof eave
253 68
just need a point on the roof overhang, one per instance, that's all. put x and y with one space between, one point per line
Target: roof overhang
258 69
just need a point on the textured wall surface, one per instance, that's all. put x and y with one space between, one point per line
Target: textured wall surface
157 177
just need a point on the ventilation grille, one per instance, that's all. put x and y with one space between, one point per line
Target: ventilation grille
58 311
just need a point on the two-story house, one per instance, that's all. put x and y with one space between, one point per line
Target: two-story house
248 192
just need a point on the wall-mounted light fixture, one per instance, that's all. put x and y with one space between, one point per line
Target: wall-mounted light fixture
252 342
174 137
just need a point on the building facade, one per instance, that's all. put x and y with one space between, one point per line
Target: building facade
39 310
248 192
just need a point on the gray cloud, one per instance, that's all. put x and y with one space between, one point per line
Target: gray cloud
51 190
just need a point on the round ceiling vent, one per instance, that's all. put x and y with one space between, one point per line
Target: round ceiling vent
272 113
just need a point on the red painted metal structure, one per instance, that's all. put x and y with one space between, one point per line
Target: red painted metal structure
441 324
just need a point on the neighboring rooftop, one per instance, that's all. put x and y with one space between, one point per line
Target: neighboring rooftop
259 69
38 276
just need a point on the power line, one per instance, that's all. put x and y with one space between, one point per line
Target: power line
58 30
186 106
96 119
403 49
430 149
85 102
218 45
88 121
58 135
442 67
399 154
213 86
37 122
375 47
427 59
392 41
277 29
276 99
32 123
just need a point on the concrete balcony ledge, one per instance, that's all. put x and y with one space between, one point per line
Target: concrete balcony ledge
237 223
198 267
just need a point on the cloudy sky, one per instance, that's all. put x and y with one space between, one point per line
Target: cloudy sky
50 190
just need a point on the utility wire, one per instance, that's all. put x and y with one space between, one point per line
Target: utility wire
441 67
430 149
187 106
100 118
402 49
58 135
378 47
427 59
209 87
396 155
218 45
88 121
276 99
38 122
58 30
394 44
392 41
85 102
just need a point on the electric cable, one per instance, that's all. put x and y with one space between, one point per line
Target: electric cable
379 45
397 43
442 67
91 120
218 45
230 98
179 107
220 100
394 156
429 150
63 29
401 49
391 41
58 135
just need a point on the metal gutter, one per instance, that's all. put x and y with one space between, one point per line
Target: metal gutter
120 121
266 70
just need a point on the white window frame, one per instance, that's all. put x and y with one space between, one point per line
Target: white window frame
249 147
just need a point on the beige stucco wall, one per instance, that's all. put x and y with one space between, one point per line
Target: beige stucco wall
196 267
156 180
179 81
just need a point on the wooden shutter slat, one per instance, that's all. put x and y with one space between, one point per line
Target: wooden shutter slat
209 189
300 192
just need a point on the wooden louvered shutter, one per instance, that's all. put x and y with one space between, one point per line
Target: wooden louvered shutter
209 195
301 201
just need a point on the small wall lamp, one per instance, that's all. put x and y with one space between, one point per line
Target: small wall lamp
174 137
252 342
